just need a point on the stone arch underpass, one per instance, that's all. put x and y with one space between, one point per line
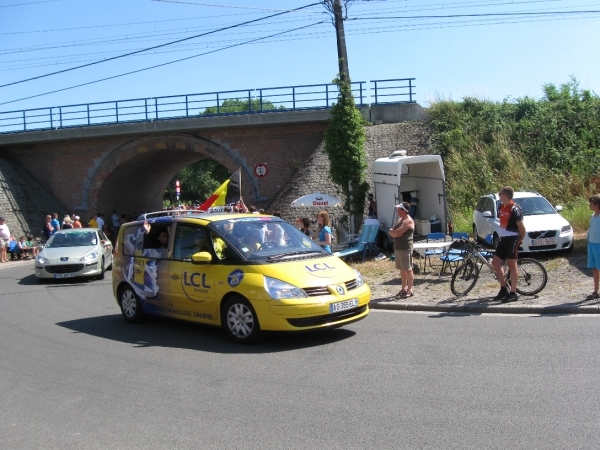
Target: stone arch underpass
133 176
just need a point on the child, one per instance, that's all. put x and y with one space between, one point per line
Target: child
593 237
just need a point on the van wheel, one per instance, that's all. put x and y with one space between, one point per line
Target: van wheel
130 305
240 321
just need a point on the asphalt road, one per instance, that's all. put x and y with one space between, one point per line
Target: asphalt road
74 374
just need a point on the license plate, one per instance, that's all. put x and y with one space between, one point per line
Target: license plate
342 306
64 275
543 241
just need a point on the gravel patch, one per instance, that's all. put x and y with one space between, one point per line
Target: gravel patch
569 282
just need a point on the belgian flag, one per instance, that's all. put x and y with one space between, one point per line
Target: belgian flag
229 192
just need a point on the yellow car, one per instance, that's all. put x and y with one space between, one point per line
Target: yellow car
245 272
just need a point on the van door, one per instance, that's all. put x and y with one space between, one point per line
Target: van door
192 285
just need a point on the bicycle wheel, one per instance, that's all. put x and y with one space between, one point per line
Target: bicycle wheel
464 278
532 276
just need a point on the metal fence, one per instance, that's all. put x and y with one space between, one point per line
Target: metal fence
208 104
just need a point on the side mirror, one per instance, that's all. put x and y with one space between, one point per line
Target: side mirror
487 214
202 257
559 208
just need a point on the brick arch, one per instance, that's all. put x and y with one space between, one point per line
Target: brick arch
134 175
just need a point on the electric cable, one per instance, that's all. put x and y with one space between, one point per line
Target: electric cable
159 65
153 48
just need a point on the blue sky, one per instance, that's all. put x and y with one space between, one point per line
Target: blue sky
491 57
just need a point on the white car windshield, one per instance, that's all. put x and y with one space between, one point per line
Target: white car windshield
533 206
266 238
73 239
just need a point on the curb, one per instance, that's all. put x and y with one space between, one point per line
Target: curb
11 264
490 309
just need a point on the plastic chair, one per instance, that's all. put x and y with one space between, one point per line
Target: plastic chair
454 255
364 244
433 237
457 236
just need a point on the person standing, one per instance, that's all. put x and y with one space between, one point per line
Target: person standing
48 228
116 223
4 239
402 233
55 223
67 224
593 238
76 222
372 214
512 233
100 222
324 231
92 222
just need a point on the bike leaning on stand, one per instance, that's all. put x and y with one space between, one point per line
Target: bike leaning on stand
532 274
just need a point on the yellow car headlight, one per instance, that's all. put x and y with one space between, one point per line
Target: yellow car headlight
278 289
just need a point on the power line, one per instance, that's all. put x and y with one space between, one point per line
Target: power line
155 47
161 65
450 16
30 3
220 6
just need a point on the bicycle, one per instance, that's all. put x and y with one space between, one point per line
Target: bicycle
532 274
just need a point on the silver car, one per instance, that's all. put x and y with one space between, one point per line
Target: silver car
78 252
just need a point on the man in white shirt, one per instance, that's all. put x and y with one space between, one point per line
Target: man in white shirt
100 221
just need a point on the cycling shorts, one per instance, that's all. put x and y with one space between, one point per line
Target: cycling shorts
508 248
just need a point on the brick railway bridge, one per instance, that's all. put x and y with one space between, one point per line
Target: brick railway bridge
127 166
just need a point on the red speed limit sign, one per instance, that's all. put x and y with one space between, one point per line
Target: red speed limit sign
260 170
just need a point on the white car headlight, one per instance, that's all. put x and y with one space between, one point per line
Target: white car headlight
90 256
359 278
278 289
565 229
41 260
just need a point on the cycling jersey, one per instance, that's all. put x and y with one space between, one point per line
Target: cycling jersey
509 216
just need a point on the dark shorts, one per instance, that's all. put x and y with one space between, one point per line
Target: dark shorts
508 248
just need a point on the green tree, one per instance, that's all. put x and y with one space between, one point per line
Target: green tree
345 146
198 180
236 105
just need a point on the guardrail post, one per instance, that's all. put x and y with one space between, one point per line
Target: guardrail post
326 96
218 106
260 95
117 111
293 98
186 106
375 82
51 121
88 113
156 108
146 108
24 122
410 89
361 94
60 115
249 101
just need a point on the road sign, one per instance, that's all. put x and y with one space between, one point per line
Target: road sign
260 170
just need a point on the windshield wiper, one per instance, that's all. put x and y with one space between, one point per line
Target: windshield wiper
284 255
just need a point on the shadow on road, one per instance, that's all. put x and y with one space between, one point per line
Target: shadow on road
161 332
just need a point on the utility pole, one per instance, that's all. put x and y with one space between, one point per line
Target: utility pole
341 41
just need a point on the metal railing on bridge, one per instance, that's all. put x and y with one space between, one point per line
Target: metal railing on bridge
208 104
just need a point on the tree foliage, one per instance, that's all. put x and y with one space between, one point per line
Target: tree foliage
344 145
198 180
551 144
236 105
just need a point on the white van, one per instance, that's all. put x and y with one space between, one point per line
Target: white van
418 180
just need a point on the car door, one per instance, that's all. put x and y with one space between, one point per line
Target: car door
488 222
192 284
107 248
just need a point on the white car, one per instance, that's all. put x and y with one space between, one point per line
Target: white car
78 252
546 229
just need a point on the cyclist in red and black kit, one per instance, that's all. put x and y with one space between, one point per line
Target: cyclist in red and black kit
512 233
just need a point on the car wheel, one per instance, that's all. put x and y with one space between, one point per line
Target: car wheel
130 305
240 321
495 241
102 270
